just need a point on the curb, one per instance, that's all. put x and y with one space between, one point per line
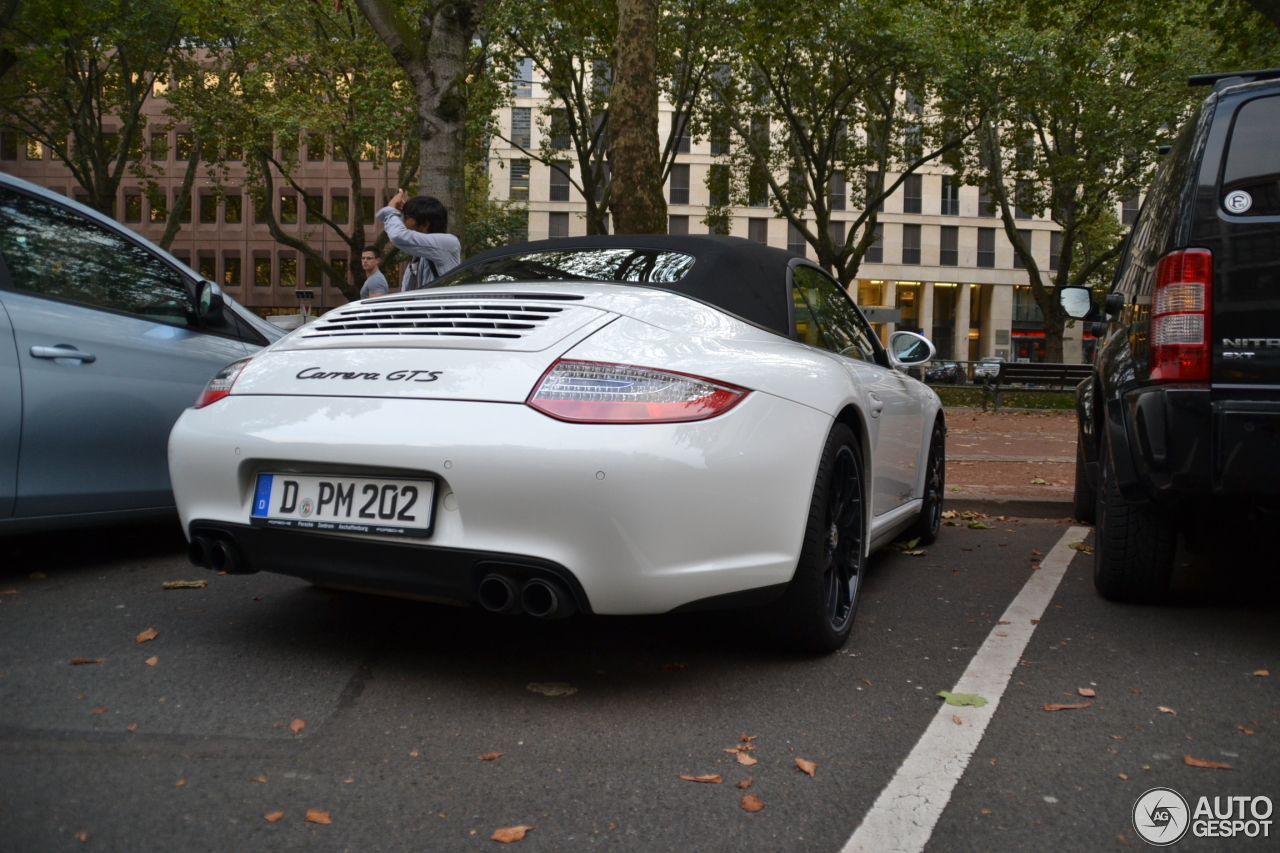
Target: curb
1015 505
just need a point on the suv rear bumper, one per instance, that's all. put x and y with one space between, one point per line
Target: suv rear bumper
1184 443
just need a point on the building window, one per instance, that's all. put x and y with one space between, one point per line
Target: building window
184 211
35 150
1025 234
949 246
519 180
288 272
1129 213
836 231
718 185
1025 309
208 209
680 130
230 272
986 207
522 79
315 147
523 234
262 272
1022 199
875 253
874 188
182 148
315 208
159 146
158 212
987 247
796 243
132 208
912 194
313 274
8 145
289 147
522 127
366 210
560 180
719 134
341 209
559 129
758 230
911 244
261 209
1055 249
950 196
680 183
340 271
233 210
558 225
836 193
678 225
208 268
395 150
289 209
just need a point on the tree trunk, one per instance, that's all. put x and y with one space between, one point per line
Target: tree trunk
173 224
636 172
435 55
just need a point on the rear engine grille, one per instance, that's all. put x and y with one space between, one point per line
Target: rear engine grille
475 316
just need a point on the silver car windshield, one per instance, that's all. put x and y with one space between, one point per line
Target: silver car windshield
633 265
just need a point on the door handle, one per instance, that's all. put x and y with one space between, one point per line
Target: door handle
877 405
63 351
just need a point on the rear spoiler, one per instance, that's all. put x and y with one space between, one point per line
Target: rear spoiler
1227 79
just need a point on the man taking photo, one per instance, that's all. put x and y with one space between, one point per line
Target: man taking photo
417 226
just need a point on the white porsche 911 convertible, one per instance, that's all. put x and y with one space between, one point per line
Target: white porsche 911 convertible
608 425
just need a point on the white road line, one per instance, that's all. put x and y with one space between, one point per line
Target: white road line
903 817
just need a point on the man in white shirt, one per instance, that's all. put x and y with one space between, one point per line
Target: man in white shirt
375 283
416 226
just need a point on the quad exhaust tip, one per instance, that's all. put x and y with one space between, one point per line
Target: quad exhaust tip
499 594
217 553
546 599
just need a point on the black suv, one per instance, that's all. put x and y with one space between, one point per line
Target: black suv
1180 422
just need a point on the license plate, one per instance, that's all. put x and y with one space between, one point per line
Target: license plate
382 505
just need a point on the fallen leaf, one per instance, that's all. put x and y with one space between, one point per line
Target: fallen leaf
414 753
743 758
152 661
950 513
1200 762
1035 621
8 592
748 738
962 698
806 766
1117 737
1085 691
1058 706
868 683
710 777
915 553
752 803
347 781
82 835
987 811
1166 710
184 584
317 816
733 749
101 710
1036 553
552 688
274 816
1122 776
956 720
132 728
83 661
257 598
36 576
149 634
1038 481
1002 622
297 726
511 833
1081 546
745 783
674 667
1135 691
179 783
979 525
1261 672
258 779
1246 731
490 756
1123 840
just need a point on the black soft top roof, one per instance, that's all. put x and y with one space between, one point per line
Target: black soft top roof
741 277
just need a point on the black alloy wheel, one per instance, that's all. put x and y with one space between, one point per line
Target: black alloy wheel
929 524
816 613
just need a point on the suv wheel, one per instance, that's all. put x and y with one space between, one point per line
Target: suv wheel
1134 544
1086 497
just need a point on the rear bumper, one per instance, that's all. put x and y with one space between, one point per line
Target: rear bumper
1189 443
640 518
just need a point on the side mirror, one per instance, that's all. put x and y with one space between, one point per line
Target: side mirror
907 349
208 300
1075 302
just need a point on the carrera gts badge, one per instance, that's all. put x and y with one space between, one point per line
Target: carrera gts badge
393 376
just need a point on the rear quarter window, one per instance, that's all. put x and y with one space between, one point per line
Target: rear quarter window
1251 177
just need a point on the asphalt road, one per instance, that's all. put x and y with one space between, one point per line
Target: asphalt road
400 698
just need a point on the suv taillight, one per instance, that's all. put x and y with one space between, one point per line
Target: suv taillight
1181 315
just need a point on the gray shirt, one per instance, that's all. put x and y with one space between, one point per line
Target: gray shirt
374 285
433 254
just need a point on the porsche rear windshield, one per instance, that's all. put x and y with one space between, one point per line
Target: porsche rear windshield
639 265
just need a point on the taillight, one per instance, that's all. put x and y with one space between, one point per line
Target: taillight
1181 314
594 392
220 385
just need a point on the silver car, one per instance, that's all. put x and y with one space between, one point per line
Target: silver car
104 340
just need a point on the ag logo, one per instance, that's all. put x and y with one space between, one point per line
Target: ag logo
1238 201
1161 817
305 509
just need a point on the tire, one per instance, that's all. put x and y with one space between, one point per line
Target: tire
816 612
1134 544
1085 497
930 521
